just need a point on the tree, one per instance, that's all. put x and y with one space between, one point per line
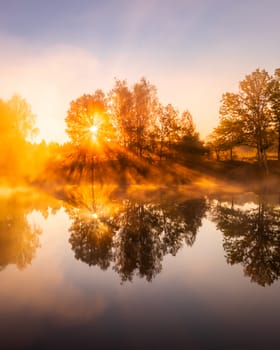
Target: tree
165 129
275 102
246 116
134 114
145 106
121 108
88 119
229 131
188 141
22 118
255 97
17 127
226 136
214 144
91 132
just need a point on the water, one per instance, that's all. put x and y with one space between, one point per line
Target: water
143 268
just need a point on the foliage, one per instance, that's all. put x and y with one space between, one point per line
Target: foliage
86 112
133 122
246 117
17 127
275 105
189 143
165 131
121 109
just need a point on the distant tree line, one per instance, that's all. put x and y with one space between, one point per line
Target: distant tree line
130 123
250 117
132 120
127 122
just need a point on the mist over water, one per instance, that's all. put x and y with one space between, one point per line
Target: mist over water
140 263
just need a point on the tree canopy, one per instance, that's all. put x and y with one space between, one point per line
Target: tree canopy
134 119
251 116
17 128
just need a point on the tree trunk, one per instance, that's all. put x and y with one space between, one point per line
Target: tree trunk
217 155
160 151
265 162
262 159
279 141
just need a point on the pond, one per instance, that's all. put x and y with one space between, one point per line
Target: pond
99 267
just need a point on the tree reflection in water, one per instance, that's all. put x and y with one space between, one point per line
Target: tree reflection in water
133 235
18 239
91 241
252 238
150 231
138 243
135 238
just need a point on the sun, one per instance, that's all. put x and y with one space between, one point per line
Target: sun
93 129
95 216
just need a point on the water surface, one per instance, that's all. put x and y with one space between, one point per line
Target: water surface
156 269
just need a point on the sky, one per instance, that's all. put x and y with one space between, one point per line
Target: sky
193 51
